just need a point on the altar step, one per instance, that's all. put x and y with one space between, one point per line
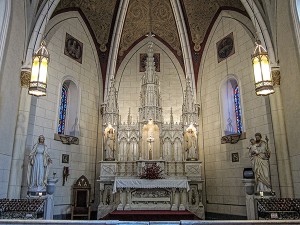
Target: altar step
150 215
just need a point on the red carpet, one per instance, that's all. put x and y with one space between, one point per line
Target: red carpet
151 215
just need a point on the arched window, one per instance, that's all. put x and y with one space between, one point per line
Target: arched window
231 107
298 9
68 123
295 8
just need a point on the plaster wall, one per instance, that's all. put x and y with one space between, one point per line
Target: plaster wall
10 90
289 59
223 178
171 76
44 110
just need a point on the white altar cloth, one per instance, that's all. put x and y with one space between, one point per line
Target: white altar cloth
144 183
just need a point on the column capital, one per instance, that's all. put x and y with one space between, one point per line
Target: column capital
25 78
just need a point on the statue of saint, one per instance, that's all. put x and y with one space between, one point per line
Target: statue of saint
190 143
150 143
259 154
38 166
109 143
75 128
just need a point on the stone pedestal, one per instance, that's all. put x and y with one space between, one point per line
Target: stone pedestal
49 207
250 205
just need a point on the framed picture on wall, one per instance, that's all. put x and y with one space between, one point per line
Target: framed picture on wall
65 158
235 157
225 47
73 48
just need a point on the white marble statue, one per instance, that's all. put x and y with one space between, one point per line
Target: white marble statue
109 143
190 143
75 128
259 154
38 166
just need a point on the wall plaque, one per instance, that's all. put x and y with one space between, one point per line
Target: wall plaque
235 157
225 47
65 158
73 48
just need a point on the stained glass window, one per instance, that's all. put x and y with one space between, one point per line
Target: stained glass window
237 108
63 109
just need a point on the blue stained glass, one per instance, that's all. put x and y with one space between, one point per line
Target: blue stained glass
237 108
63 110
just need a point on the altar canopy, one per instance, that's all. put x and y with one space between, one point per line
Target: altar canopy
149 184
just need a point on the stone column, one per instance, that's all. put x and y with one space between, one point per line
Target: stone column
282 152
128 200
174 205
16 170
122 199
182 197
101 196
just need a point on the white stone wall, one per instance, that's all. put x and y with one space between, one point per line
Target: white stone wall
10 89
290 82
44 110
171 76
224 188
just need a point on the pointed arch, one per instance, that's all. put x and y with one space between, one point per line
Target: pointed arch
5 10
232 119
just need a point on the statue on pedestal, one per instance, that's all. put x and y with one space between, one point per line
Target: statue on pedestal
190 143
109 143
38 166
259 154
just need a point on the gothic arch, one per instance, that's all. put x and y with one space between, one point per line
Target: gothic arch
157 44
73 104
295 9
225 14
5 10
226 101
57 21
48 9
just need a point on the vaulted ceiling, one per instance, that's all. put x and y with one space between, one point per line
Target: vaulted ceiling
144 16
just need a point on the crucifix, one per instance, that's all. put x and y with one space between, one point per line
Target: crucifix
150 140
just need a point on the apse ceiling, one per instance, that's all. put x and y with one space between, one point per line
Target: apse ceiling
150 15
100 15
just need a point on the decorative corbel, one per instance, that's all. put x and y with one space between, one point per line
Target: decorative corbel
25 78
66 139
276 76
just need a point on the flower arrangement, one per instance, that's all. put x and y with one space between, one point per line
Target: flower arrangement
151 171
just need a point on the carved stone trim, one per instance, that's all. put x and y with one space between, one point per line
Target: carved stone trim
66 139
233 138
25 78
276 77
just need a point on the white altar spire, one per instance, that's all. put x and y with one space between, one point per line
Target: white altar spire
150 99
189 108
110 109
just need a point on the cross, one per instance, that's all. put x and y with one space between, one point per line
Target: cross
150 140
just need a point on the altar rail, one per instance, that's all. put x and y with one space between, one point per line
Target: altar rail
183 222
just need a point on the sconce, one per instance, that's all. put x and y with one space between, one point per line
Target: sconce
65 174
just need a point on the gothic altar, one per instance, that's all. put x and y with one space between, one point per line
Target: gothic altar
131 147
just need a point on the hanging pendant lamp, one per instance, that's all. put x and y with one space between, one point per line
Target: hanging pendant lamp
262 72
38 81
